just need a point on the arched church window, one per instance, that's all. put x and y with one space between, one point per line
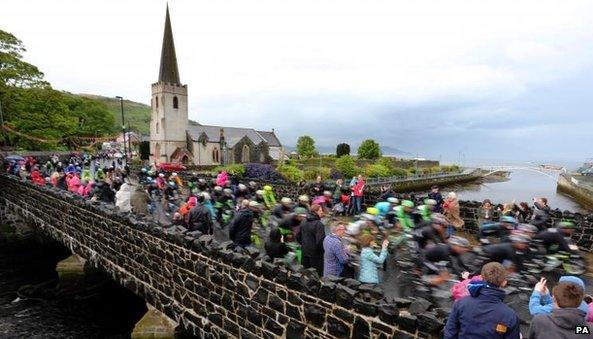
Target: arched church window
215 155
156 101
157 127
245 154
175 102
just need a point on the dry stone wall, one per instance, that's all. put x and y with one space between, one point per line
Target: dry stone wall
207 288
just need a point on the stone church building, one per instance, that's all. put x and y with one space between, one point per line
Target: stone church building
173 138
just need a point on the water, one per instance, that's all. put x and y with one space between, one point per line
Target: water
32 307
521 186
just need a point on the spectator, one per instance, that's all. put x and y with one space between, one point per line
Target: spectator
541 302
485 213
317 188
565 317
338 191
451 207
484 314
275 246
369 273
334 256
541 214
311 236
199 219
240 226
436 196
357 194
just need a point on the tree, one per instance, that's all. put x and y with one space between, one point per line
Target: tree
369 149
306 147
347 166
13 70
342 149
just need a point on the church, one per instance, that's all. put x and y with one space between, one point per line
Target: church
174 138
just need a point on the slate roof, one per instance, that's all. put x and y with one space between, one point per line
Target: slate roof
232 135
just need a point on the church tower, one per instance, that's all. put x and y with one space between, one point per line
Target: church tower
168 120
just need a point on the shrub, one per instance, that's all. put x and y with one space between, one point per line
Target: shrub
347 166
335 174
450 168
399 172
262 172
377 171
291 173
311 173
235 170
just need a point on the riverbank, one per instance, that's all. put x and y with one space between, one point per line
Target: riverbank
578 187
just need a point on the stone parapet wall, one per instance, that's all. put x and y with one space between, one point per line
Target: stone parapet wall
207 288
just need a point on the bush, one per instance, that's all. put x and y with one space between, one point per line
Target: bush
291 173
235 170
262 172
377 171
335 174
342 149
347 166
306 147
399 172
311 173
450 168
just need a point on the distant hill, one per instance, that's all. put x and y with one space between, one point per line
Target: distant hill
137 114
386 150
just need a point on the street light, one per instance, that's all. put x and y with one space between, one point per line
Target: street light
123 126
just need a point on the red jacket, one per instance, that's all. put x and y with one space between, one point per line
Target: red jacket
358 188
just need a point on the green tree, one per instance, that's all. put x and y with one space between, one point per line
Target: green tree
13 70
342 149
369 149
347 166
306 146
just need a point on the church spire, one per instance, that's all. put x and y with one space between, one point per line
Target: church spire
168 71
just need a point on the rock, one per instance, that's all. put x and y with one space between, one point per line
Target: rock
430 323
364 307
407 322
345 296
327 292
295 330
315 315
419 306
389 313
337 327
361 329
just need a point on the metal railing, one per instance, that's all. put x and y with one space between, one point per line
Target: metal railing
397 179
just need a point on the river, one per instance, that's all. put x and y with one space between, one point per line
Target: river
522 185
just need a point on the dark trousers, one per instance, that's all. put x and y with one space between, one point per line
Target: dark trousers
315 262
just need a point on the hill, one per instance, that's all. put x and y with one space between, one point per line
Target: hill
137 114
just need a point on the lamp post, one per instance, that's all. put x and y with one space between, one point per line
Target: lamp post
123 126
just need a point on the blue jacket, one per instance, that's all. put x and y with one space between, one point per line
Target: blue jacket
543 304
368 265
384 207
482 315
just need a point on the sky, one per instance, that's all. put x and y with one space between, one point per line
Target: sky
501 80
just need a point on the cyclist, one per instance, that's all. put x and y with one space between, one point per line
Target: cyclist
404 215
440 258
556 239
513 252
434 233
501 230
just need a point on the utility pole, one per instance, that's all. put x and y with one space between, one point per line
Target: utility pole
129 139
2 124
123 126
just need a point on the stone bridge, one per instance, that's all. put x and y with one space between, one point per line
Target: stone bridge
203 286
211 291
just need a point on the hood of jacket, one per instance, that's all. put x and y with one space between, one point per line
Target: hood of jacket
480 287
567 318
312 217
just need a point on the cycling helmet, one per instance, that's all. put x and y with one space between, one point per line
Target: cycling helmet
438 218
173 174
519 238
242 187
392 200
430 202
252 183
372 211
218 188
527 228
254 204
286 201
227 191
202 181
509 220
259 192
161 175
267 188
408 203
144 170
205 195
327 193
304 198
459 241
566 225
